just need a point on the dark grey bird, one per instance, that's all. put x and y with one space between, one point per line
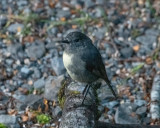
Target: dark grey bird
83 61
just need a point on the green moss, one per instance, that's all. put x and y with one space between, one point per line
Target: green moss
43 118
3 125
135 33
137 68
74 92
61 94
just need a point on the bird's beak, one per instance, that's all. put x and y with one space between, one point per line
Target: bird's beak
63 41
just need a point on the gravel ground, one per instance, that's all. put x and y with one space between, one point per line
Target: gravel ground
126 32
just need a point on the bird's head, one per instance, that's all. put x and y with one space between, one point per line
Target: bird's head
76 38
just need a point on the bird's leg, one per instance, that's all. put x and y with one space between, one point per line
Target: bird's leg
85 91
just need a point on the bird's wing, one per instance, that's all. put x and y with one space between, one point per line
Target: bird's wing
94 63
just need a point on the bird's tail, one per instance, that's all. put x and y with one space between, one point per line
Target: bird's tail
109 84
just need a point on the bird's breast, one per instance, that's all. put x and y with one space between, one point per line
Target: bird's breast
67 59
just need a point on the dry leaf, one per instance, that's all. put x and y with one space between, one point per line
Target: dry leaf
141 2
24 118
54 103
136 48
133 114
31 115
74 26
46 105
23 90
73 11
19 29
63 19
29 39
12 112
78 7
149 60
52 3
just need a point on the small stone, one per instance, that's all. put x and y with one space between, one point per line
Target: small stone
52 87
99 33
39 84
36 50
8 119
126 52
140 102
88 3
152 32
123 115
9 61
22 2
3 21
147 40
32 101
36 73
141 110
25 72
146 120
111 104
98 12
63 13
103 119
57 65
2 112
13 28
16 50
57 111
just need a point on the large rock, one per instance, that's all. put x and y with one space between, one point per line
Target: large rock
123 115
52 87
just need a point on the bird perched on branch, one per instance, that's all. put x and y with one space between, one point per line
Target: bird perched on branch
83 61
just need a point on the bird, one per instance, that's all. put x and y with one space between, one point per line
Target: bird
83 61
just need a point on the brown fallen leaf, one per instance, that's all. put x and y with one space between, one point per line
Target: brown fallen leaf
12 112
24 118
63 19
136 48
74 26
149 60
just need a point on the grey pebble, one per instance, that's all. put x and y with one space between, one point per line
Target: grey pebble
3 21
52 87
126 52
57 65
13 28
8 119
123 115
40 83
36 50
141 111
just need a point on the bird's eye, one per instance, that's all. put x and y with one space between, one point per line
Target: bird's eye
76 40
